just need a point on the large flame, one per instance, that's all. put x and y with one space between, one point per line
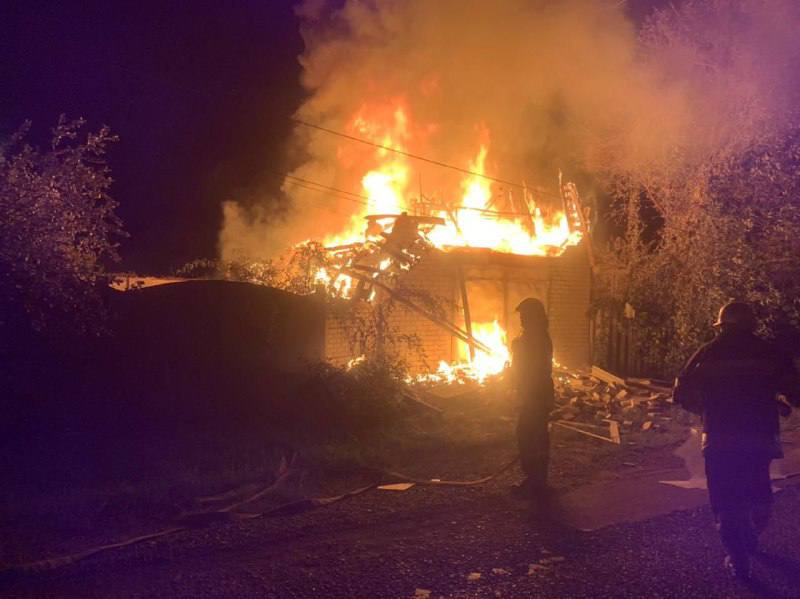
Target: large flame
474 221
478 219
495 338
482 365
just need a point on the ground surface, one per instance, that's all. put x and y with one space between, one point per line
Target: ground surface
453 542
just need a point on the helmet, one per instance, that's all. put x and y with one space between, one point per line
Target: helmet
738 315
532 311
531 305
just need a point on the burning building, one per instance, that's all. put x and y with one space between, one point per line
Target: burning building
480 290
434 110
428 247
438 277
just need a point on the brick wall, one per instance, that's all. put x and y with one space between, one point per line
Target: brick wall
495 283
339 347
418 341
435 277
568 306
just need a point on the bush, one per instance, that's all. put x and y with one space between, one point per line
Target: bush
57 225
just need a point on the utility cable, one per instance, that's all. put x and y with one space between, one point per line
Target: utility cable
360 199
324 205
353 197
407 154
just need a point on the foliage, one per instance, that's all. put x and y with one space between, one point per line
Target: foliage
341 404
259 273
717 217
370 330
292 271
57 227
369 324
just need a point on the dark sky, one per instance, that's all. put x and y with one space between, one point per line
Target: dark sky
200 94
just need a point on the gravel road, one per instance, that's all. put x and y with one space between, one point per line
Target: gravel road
450 542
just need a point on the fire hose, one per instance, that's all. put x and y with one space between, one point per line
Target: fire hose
195 520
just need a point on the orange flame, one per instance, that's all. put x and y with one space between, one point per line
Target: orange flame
474 221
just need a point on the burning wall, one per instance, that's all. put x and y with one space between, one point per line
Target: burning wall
495 283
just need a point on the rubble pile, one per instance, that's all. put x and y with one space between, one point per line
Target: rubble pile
600 400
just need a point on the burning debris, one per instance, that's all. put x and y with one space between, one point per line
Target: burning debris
591 402
370 267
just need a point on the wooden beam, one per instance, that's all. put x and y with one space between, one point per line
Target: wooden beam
417 220
443 324
462 283
613 430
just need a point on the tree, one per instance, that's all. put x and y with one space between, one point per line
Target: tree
724 194
57 228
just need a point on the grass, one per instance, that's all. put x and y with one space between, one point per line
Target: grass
71 490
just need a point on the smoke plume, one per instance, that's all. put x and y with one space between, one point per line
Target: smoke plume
547 85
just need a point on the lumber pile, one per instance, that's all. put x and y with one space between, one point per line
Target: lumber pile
598 399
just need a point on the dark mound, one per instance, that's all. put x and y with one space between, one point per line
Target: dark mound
197 352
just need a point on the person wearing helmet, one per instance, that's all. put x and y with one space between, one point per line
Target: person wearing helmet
734 382
531 373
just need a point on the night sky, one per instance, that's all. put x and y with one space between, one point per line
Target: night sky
200 95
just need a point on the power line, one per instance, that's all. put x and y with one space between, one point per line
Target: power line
323 201
353 197
323 205
359 199
407 154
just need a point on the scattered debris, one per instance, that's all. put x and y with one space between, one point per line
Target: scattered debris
536 569
606 376
613 431
602 405
413 400
575 427
396 487
421 593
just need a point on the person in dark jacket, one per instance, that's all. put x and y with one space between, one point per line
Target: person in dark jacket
735 383
531 372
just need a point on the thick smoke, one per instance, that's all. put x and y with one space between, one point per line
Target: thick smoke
558 84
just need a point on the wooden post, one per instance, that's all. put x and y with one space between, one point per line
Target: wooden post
506 319
465 305
612 341
527 206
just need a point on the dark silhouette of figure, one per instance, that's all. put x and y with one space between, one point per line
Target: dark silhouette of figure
404 231
734 382
531 370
